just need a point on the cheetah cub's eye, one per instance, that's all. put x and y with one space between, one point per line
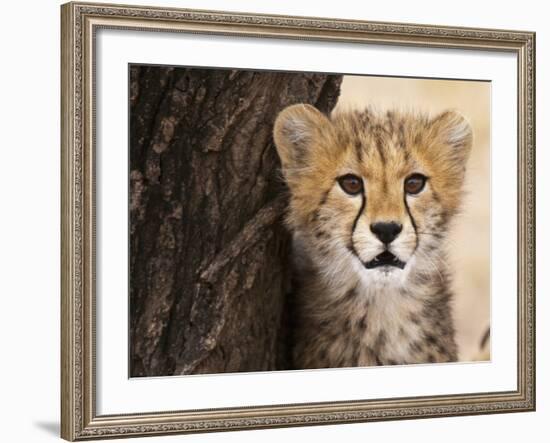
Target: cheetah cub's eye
415 183
351 184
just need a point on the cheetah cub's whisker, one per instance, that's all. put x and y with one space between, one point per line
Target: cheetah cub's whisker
371 197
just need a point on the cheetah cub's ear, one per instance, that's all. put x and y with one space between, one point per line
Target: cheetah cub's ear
450 129
294 133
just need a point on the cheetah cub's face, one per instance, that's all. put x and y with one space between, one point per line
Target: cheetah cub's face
371 194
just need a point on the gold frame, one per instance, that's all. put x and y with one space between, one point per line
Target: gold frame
79 21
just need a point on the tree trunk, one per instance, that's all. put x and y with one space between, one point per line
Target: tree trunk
209 268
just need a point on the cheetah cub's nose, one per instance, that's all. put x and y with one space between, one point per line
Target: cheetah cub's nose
386 231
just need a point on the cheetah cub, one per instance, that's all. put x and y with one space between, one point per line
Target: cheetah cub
371 197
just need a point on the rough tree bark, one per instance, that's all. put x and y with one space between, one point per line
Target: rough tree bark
208 254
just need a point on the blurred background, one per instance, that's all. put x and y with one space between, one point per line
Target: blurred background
470 234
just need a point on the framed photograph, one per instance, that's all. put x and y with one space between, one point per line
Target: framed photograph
282 221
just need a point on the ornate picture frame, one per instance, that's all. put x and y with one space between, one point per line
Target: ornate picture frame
80 23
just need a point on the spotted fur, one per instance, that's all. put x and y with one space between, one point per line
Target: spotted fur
346 314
